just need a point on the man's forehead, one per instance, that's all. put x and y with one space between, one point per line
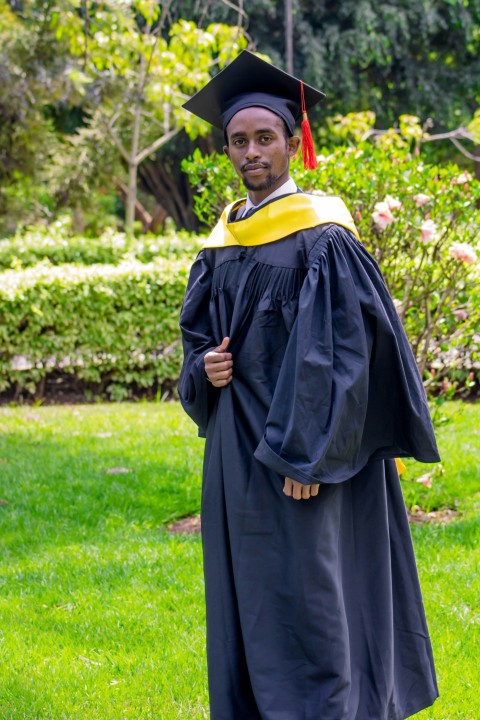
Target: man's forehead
254 119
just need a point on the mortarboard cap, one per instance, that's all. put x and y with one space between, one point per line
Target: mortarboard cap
251 82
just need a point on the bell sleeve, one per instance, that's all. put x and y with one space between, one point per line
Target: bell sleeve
197 394
349 389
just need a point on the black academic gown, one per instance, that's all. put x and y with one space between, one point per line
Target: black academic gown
314 610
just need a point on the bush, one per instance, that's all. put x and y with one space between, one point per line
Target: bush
421 223
113 328
54 243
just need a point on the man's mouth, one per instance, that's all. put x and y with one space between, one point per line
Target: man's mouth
254 168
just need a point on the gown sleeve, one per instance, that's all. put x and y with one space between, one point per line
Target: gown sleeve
349 389
197 394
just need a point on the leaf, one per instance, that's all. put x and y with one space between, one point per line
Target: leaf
87 661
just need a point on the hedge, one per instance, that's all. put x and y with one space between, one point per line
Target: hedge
55 244
111 327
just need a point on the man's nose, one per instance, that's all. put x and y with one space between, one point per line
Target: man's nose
252 150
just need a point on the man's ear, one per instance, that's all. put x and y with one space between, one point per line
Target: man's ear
293 144
226 151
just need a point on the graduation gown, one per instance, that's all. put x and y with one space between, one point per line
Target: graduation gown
314 610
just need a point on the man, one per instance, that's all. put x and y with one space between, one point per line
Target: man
299 374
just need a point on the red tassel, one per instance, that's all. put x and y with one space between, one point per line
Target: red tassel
308 148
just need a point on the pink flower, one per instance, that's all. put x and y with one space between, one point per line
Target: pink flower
460 314
393 203
463 252
398 305
382 216
426 480
421 199
428 230
465 177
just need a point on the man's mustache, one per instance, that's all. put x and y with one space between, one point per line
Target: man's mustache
254 166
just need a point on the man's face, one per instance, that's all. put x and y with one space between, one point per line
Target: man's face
260 150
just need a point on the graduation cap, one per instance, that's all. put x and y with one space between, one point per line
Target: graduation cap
251 82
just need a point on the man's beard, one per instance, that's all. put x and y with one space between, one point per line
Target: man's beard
269 182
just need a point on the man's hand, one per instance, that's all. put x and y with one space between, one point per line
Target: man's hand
298 490
218 365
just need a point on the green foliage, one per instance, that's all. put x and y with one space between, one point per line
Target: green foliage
113 77
90 91
393 57
216 184
134 80
55 244
31 67
474 127
111 327
421 223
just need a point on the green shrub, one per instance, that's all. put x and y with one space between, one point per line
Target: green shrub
420 222
55 244
111 327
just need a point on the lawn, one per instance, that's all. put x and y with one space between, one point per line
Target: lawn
101 609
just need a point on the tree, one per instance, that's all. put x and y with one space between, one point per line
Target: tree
31 77
393 57
135 80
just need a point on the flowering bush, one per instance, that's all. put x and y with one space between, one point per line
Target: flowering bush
420 222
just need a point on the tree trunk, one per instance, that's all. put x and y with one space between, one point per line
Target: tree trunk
131 198
133 154
289 35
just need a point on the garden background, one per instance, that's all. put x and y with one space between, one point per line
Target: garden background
106 189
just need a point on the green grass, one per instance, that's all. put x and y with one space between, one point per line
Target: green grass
101 610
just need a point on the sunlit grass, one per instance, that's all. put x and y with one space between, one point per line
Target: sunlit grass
101 610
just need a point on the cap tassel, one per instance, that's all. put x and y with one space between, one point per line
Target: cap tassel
308 148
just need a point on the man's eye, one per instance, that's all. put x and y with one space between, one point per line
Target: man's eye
265 138
239 141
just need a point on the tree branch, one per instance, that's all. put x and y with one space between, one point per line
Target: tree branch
452 135
237 8
118 143
155 145
467 154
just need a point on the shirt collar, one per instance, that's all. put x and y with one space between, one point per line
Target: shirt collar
287 188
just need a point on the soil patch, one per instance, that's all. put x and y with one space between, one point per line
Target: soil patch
417 516
192 523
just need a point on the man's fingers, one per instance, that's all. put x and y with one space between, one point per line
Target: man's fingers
220 383
299 491
288 486
218 364
221 348
216 357
222 375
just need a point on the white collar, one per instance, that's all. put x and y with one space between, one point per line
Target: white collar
287 188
